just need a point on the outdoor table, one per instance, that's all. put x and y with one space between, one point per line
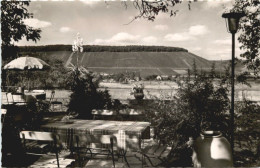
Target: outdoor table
128 133
27 97
38 94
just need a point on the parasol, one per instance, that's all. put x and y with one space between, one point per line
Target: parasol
26 63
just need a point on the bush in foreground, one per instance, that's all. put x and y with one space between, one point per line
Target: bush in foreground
85 97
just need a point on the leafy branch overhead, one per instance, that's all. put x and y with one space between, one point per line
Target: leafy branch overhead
12 22
250 34
150 9
13 28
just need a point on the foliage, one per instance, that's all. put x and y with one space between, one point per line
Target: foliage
124 77
137 89
85 97
151 77
250 35
100 48
8 53
206 103
200 103
245 121
45 79
13 27
150 9
246 134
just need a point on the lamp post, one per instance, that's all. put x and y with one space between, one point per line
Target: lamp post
232 20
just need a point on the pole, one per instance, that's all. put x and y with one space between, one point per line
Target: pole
232 93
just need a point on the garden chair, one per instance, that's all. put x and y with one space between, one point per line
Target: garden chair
153 155
10 100
33 146
6 100
108 147
102 114
54 102
13 98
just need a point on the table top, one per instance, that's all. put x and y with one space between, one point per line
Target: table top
128 133
34 93
127 126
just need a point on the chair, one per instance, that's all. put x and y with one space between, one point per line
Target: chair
9 100
155 154
14 98
39 94
107 143
130 114
102 114
31 140
54 102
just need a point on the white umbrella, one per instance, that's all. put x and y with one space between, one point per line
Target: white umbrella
26 63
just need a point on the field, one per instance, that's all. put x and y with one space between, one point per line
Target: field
156 88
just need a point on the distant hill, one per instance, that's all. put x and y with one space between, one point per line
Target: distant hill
101 48
147 60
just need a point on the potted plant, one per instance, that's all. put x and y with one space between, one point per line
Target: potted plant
138 91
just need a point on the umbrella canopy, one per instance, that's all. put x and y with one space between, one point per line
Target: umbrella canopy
27 63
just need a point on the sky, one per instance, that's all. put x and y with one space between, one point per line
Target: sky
201 30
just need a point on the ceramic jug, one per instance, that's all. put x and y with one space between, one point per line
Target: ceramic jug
211 149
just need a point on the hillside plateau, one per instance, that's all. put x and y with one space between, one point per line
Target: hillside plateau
146 60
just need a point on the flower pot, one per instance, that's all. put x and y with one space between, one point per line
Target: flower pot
138 96
20 90
211 149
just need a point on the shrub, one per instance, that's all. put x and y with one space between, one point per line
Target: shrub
85 95
246 134
200 103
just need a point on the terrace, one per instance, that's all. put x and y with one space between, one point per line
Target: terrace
157 106
55 117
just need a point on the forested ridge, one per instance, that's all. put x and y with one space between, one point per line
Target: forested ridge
101 48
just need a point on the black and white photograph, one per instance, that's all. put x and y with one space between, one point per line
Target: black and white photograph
134 83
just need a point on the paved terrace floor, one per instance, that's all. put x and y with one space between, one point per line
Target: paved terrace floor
67 160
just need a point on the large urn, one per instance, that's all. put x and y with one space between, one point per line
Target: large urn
139 96
211 149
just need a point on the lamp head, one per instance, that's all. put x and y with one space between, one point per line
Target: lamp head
233 20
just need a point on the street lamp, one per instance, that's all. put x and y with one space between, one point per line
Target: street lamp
232 21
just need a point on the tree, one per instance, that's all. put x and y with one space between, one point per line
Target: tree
250 36
13 27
